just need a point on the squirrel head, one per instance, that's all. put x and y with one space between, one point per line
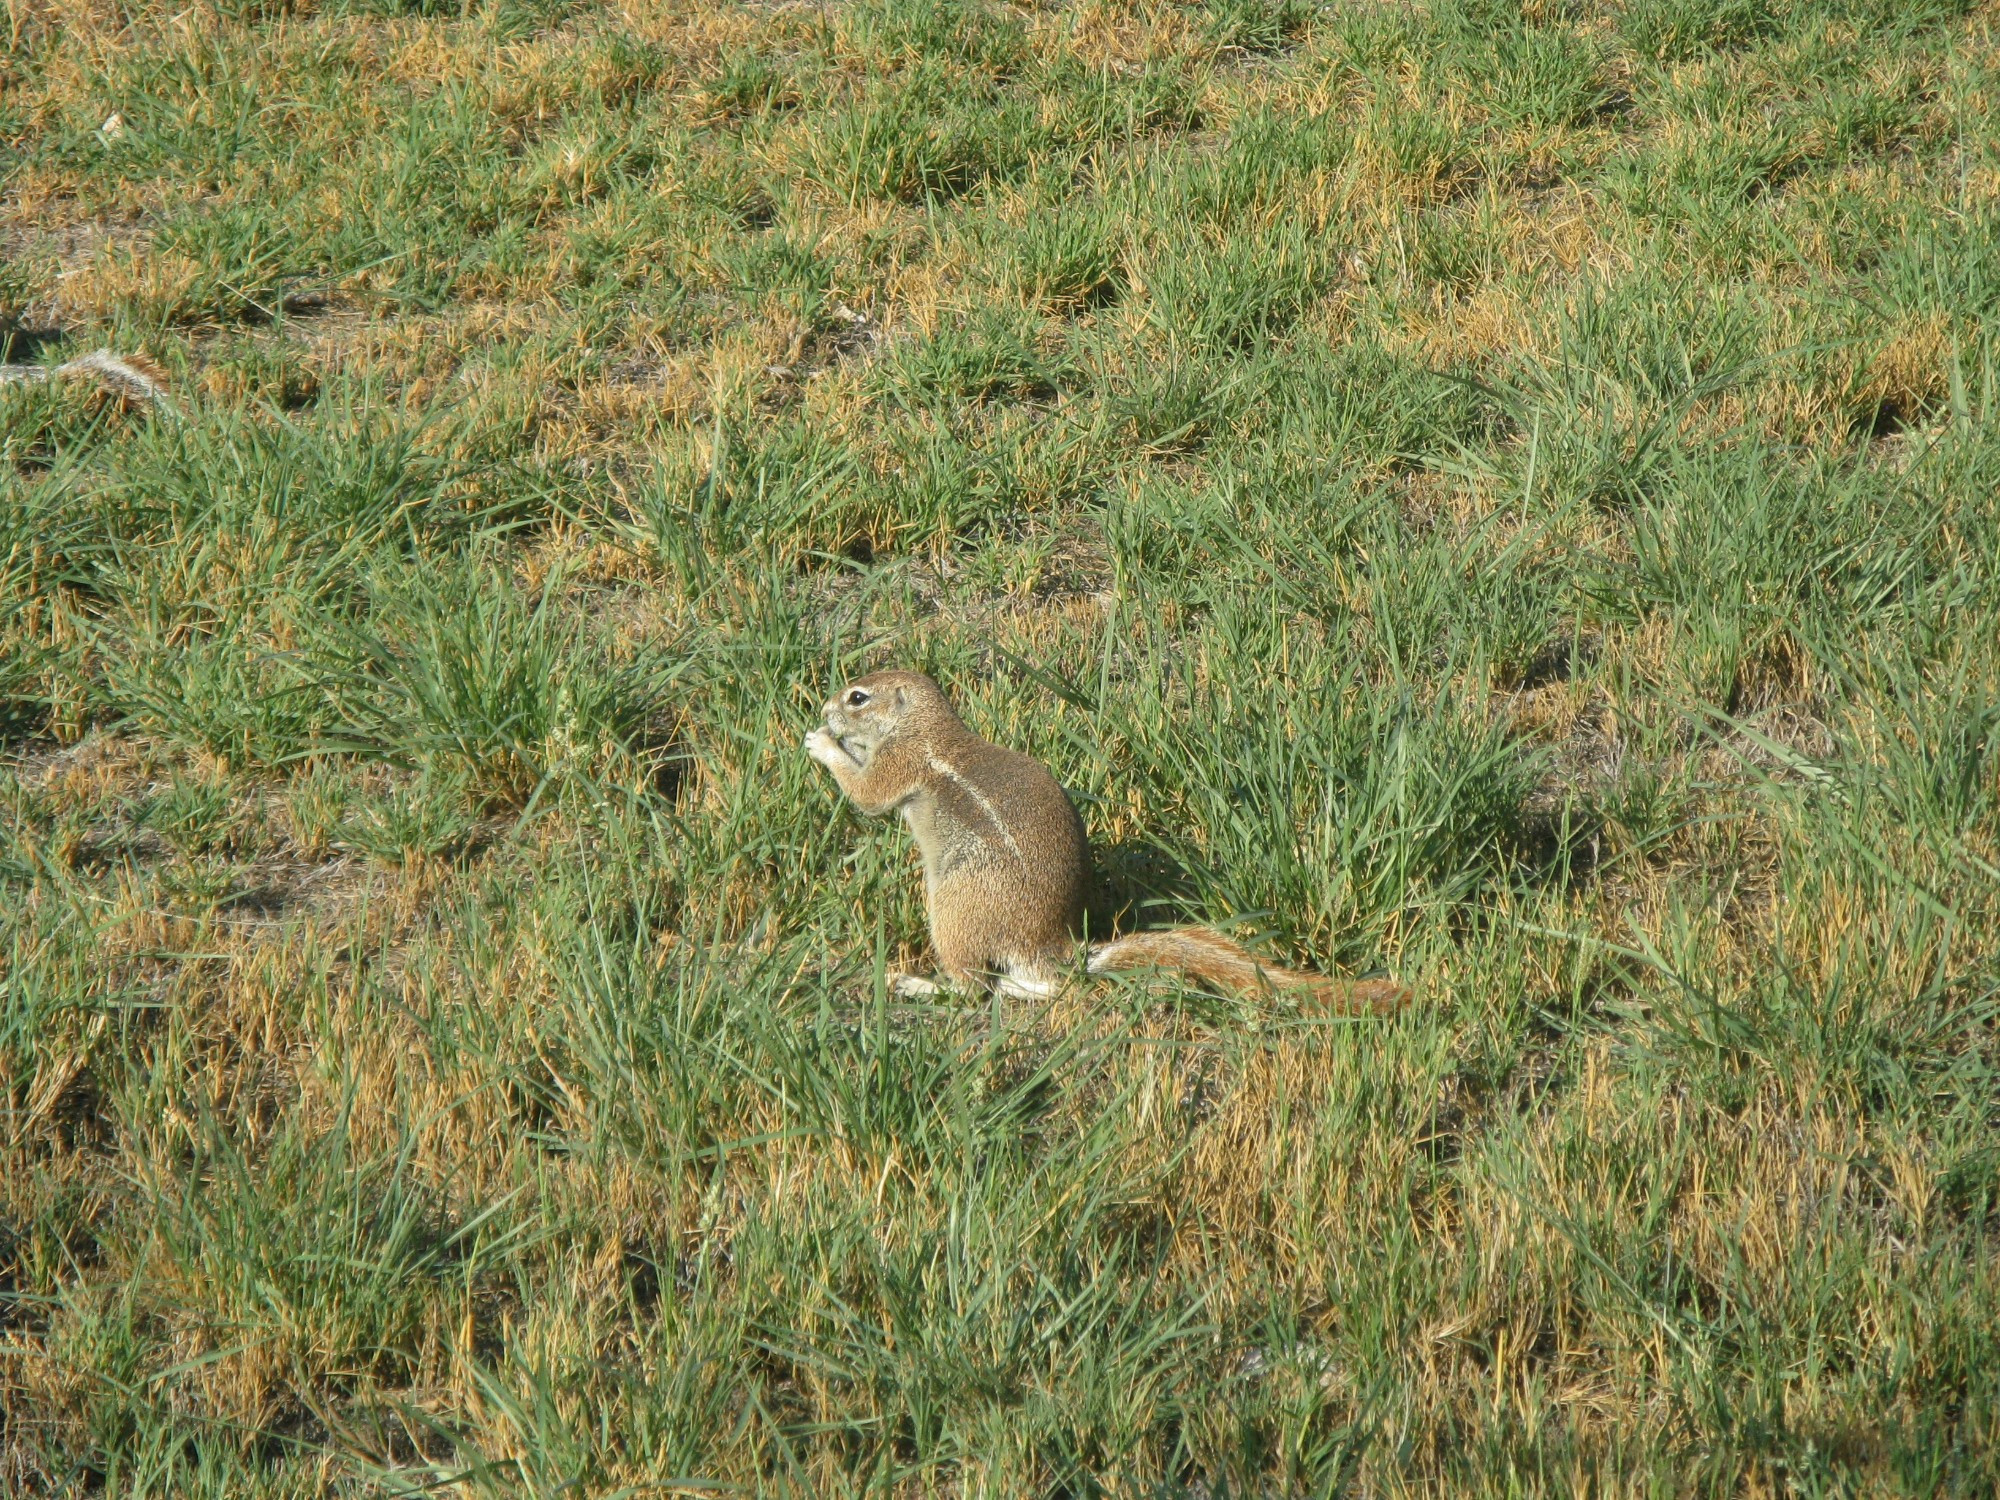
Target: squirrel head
872 710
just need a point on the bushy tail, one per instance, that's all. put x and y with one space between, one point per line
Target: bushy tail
1212 959
132 377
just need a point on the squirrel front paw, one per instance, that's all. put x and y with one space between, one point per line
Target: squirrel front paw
827 750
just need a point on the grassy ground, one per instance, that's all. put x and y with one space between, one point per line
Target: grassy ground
1501 493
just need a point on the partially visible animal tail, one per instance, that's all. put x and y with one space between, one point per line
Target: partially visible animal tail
131 377
1212 959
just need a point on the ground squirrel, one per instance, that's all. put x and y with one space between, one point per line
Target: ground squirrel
1006 861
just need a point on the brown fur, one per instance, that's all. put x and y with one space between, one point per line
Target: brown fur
1006 860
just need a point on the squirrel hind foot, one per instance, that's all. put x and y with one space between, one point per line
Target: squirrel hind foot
1020 986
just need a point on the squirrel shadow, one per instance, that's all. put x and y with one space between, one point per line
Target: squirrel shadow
1134 885
22 344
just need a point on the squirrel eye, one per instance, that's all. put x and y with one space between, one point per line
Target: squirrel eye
856 698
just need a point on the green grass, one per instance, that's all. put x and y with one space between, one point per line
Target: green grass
1497 492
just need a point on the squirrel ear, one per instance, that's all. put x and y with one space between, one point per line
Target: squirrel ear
902 697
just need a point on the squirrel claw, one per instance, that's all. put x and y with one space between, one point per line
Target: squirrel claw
829 752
